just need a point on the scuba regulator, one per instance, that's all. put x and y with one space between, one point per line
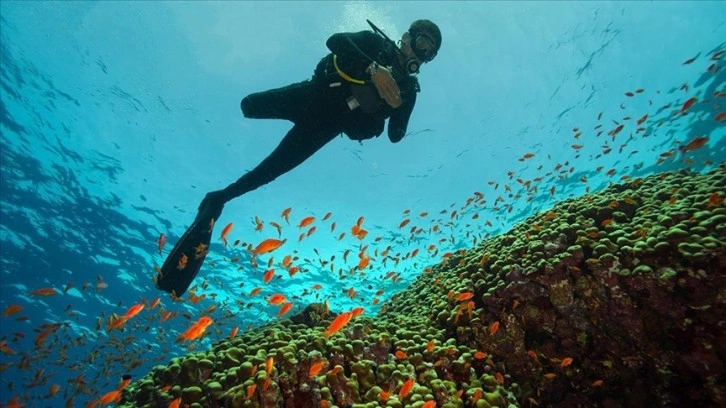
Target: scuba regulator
412 64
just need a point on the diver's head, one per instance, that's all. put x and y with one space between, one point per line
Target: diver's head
420 43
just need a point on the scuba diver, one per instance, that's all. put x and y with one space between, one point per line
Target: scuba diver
365 79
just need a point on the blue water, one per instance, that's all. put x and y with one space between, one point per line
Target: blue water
117 118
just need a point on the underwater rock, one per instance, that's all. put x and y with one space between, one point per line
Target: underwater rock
627 305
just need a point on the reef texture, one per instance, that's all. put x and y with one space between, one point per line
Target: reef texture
612 299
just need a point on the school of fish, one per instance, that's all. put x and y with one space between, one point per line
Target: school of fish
374 271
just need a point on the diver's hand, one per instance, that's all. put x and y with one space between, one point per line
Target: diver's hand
387 87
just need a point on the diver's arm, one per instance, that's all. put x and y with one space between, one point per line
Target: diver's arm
352 46
398 122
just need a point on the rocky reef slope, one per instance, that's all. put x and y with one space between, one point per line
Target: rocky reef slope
611 299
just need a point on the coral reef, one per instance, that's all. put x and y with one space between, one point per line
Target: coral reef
611 299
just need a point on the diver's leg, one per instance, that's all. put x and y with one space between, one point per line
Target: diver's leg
301 142
282 103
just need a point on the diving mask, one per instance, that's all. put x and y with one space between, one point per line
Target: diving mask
424 47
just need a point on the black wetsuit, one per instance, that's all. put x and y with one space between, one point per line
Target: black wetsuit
320 108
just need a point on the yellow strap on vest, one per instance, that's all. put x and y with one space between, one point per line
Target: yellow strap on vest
344 75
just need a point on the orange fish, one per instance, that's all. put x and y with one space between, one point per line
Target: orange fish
400 355
695 143
268 245
306 221
338 323
358 232
267 277
125 381
284 309
688 104
197 329
714 200
276 299
14 403
357 311
642 119
234 332
176 403
269 364
494 327
7 350
429 404
286 214
226 232
154 303
278 227
251 391
12 309
464 296
161 242
194 298
566 361
476 397
44 292
316 368
134 310
363 263
352 294
53 390
182 262
255 291
615 131
406 388
109 397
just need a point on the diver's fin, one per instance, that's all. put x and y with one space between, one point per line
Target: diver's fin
184 261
